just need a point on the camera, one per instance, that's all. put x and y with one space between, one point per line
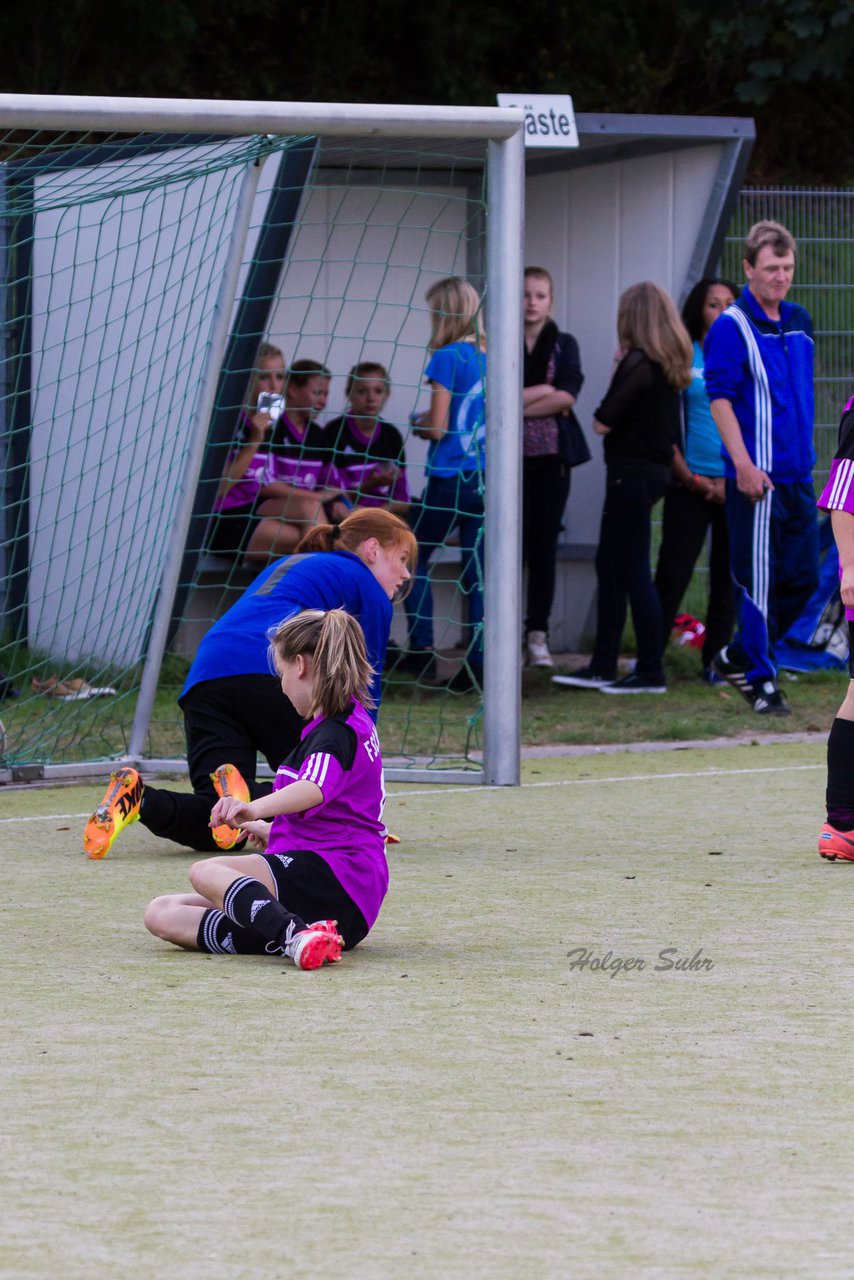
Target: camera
270 402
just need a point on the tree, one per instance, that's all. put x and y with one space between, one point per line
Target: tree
790 63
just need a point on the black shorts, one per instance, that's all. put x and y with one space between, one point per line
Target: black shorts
306 885
232 529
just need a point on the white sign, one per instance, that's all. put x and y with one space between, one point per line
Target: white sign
549 118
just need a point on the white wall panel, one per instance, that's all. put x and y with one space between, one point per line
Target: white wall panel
599 229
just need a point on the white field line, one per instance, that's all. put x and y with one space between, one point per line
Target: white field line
472 791
634 777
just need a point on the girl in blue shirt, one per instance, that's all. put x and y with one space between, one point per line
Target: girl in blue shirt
455 425
694 503
234 709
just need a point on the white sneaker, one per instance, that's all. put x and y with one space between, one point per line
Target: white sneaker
538 650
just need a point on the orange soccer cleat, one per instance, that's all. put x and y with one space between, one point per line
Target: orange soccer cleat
229 781
118 809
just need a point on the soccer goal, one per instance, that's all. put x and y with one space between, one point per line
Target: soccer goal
147 248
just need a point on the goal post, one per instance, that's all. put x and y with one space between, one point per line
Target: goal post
501 131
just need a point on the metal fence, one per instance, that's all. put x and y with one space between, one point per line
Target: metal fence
822 222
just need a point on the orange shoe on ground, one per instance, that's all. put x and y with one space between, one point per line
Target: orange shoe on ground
833 844
229 781
118 809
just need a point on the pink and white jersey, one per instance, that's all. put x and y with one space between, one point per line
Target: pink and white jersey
341 756
288 456
358 456
838 493
245 491
302 459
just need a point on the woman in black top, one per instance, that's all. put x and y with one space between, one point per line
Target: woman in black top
639 419
552 381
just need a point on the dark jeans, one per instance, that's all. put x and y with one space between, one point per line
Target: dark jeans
226 721
545 489
687 520
624 577
449 502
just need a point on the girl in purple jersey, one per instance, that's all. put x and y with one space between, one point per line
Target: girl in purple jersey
369 452
324 859
239 493
836 838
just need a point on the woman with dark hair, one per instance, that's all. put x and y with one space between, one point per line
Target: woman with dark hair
639 419
694 504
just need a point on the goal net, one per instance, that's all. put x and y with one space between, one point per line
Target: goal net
141 273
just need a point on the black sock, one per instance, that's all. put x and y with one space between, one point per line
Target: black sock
840 775
220 936
248 903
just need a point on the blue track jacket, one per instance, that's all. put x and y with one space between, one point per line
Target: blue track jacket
764 368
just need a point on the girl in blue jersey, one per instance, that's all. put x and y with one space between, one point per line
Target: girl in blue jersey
320 883
455 425
234 709
694 503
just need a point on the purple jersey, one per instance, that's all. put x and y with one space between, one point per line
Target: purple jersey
838 493
245 490
341 756
286 457
303 460
358 455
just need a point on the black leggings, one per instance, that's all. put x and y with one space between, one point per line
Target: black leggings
545 489
685 525
227 721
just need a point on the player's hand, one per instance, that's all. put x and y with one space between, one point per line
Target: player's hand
717 492
846 586
382 477
258 832
231 812
261 423
753 482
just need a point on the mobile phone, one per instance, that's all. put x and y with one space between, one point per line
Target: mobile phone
270 402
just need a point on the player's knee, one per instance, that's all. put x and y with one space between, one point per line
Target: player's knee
198 874
156 918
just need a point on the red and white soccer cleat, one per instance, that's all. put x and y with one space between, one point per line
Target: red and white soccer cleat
833 844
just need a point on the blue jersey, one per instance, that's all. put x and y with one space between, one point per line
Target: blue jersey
702 442
237 645
764 368
461 369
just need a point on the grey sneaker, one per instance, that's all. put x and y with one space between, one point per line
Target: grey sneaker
584 678
633 683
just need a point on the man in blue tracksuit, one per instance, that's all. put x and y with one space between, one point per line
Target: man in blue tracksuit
759 378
